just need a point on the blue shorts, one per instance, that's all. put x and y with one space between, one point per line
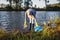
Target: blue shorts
32 12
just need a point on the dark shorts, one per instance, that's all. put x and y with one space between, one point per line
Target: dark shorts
32 12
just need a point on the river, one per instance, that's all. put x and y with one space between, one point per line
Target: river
11 19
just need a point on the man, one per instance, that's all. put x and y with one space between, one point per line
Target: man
31 14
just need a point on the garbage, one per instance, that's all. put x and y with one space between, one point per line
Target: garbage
38 28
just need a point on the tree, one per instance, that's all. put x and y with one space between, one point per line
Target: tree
59 1
30 3
27 3
10 1
18 3
46 1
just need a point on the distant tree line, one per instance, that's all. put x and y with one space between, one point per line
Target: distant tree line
18 3
26 5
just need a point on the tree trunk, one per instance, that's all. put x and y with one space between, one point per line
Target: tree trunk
17 1
26 5
45 3
10 4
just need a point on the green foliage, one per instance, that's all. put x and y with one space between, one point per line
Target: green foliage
8 7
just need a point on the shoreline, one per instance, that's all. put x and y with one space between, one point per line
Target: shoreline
25 10
48 9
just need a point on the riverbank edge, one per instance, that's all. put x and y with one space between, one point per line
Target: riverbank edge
25 10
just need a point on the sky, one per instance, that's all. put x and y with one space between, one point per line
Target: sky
4 2
40 3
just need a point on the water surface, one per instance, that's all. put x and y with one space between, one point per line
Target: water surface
11 19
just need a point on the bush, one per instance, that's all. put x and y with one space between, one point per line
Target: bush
8 7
